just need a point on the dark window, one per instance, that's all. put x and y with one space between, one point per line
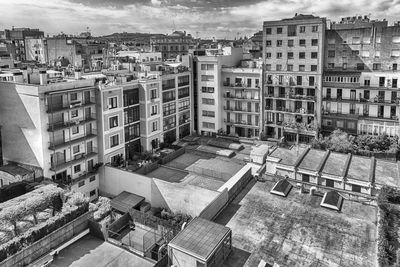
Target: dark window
290 43
381 81
268 31
330 183
314 54
360 66
311 81
302 55
314 67
299 80
306 178
292 30
394 83
394 66
356 188
302 42
331 53
314 42
279 30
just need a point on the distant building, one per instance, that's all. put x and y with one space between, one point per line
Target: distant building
17 37
361 78
173 45
35 49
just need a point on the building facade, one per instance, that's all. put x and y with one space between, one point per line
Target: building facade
173 45
52 126
360 90
293 53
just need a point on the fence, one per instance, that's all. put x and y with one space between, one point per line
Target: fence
172 155
148 168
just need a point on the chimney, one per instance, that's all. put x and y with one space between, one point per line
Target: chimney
78 74
18 77
43 77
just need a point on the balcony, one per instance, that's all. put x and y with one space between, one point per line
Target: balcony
242 97
241 86
65 143
70 105
62 164
241 123
234 109
300 128
52 127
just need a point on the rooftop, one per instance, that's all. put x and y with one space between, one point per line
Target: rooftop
296 231
15 170
126 201
312 160
287 156
200 238
335 164
359 168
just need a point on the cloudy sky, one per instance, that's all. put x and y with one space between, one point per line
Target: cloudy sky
207 18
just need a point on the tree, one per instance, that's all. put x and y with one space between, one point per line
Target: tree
35 205
12 215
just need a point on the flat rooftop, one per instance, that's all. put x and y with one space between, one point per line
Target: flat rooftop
335 164
200 238
312 160
296 231
359 168
387 173
287 156
91 251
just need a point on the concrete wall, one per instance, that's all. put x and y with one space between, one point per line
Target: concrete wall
181 259
46 244
213 209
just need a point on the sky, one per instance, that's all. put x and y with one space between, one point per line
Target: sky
202 18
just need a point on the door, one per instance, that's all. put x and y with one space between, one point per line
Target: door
279 132
353 95
86 97
89 147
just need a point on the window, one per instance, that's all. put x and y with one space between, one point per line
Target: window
315 28
290 43
360 66
113 122
92 193
268 43
207 78
376 66
81 183
355 53
367 82
381 81
169 109
311 81
153 93
394 83
339 124
394 66
330 183
77 168
291 30
331 65
302 29
112 102
314 42
314 55
305 178
184 104
183 92
302 42
74 96
279 55
75 129
154 126
278 43
279 30
344 66
278 67
93 178
356 188
75 149
290 55
299 80
302 68
314 67
207 113
154 110
114 140
331 53
168 84
302 55
207 66
209 125
268 55
208 101
168 96
74 113
267 66
268 30
290 67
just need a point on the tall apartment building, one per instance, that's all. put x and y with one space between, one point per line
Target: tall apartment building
293 53
210 101
170 46
360 87
51 124
20 40
241 94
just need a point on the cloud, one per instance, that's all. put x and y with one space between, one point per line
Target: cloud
208 17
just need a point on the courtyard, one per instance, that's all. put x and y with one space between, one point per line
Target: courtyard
296 231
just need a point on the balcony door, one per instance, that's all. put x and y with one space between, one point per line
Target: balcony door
89 147
86 97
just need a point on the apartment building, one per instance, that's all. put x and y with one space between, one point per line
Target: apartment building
50 123
360 88
241 93
173 45
293 53
210 101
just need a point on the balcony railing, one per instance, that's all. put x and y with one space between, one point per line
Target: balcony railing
63 125
62 163
234 109
53 145
243 97
70 105
241 123
240 85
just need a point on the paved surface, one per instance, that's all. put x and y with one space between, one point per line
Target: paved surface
171 175
296 231
90 251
